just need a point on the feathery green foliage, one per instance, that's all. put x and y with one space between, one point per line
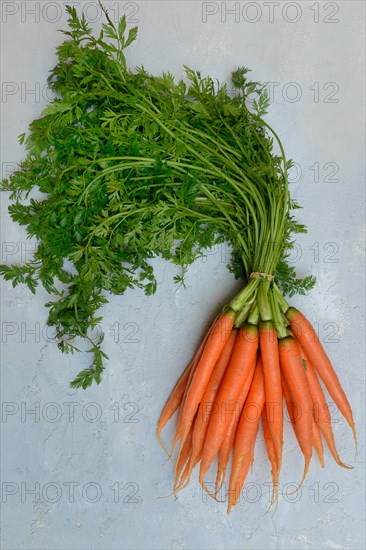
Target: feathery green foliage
135 166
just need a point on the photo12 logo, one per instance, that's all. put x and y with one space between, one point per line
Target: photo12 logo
126 492
26 92
290 492
15 332
53 12
270 12
71 412
293 92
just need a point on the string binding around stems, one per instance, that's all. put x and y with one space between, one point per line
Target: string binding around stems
258 275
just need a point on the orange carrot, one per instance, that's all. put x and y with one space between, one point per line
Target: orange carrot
252 452
310 343
245 437
194 363
318 443
174 401
227 444
206 405
271 451
183 458
215 343
291 406
272 384
198 356
240 468
294 374
183 478
241 362
321 413
294 409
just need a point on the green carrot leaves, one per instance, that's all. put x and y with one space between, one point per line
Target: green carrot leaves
135 166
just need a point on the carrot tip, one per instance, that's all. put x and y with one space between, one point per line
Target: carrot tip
355 438
274 499
219 480
175 441
185 477
166 496
346 466
160 441
306 468
182 484
202 472
212 495
231 503
274 496
320 455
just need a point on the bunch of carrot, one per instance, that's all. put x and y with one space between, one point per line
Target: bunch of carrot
241 373
135 166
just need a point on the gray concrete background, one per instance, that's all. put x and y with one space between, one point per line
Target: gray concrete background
99 471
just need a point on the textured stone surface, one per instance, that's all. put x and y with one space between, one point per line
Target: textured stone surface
100 471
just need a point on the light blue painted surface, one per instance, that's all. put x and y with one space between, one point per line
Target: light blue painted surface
72 458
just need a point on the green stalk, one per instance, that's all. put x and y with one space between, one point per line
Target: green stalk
213 167
278 318
242 317
283 305
240 299
263 302
254 316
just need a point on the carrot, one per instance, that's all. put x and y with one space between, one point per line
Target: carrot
173 403
183 478
241 362
227 444
294 374
205 408
183 458
289 402
272 385
294 410
245 437
198 356
321 414
194 363
241 465
318 443
271 452
213 348
252 451
310 343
